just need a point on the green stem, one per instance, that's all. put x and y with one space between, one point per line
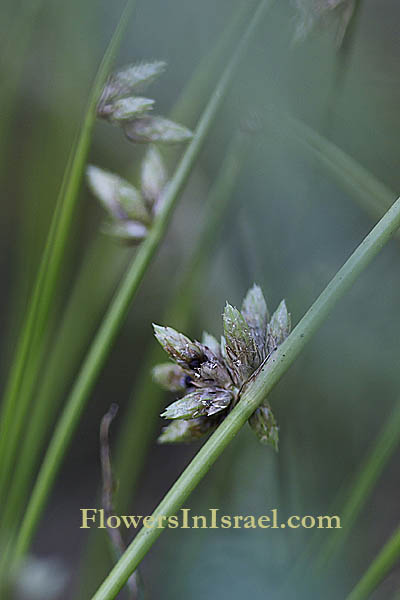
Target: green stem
254 393
15 48
364 483
29 350
120 305
320 555
86 305
376 572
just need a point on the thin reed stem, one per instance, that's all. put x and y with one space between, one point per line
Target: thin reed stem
362 487
86 305
29 350
318 556
378 569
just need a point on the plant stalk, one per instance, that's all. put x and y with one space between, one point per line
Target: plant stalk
360 491
379 568
29 350
85 308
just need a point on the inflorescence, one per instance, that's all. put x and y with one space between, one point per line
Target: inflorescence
131 211
211 374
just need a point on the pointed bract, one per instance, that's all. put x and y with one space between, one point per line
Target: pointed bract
241 349
127 109
223 349
278 327
212 343
154 175
254 308
189 355
255 313
263 423
156 129
120 198
130 80
198 403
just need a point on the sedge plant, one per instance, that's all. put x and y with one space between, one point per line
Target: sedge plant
224 384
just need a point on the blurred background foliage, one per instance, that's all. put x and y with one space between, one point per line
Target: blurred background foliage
289 227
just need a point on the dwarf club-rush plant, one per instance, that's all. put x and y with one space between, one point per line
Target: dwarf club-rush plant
211 374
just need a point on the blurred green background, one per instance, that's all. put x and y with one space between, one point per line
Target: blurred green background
289 227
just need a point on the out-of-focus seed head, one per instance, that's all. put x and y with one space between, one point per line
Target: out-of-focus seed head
171 377
154 176
156 129
126 109
133 212
263 423
203 402
186 431
130 232
131 79
120 198
39 578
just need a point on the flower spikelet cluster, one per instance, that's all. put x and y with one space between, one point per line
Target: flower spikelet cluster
131 210
210 374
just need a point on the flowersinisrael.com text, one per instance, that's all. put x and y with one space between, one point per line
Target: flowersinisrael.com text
96 518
